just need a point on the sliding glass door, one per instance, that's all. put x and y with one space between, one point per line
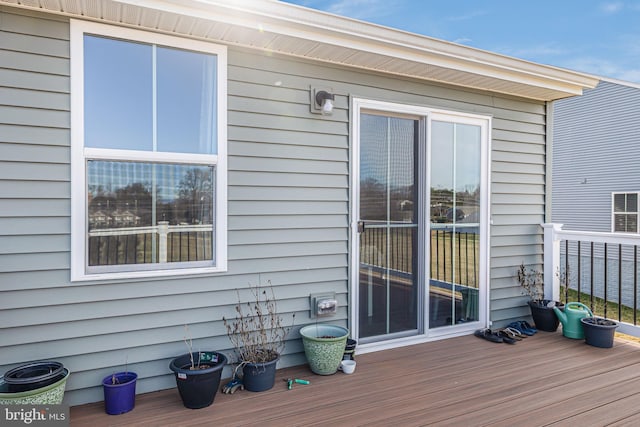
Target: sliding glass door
454 171
388 225
420 248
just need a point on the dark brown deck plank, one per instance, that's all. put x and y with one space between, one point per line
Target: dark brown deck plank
541 380
630 421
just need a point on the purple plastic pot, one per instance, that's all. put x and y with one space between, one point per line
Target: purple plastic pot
119 392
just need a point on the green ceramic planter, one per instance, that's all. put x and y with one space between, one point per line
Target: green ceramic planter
51 394
324 347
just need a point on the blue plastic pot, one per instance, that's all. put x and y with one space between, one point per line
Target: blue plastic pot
119 392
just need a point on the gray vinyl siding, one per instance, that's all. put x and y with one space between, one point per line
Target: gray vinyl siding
595 152
288 204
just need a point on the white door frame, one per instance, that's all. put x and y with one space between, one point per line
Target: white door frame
484 121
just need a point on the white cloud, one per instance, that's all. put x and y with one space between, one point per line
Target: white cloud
533 52
604 68
463 40
612 7
359 9
629 75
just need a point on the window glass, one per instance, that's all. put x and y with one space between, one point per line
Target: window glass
625 223
455 173
619 203
389 240
387 168
632 202
118 102
455 220
186 101
137 209
142 97
625 212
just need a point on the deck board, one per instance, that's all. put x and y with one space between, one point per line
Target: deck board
543 380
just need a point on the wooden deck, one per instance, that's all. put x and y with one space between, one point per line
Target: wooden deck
544 380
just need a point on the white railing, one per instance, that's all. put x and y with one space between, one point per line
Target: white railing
163 229
593 267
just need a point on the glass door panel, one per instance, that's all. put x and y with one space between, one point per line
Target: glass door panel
455 223
388 226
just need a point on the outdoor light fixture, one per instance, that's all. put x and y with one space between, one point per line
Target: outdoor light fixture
322 101
325 101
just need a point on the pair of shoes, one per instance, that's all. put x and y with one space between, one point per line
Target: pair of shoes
488 335
515 333
527 326
506 337
511 333
523 327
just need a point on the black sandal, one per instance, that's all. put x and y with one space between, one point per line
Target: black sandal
488 335
506 338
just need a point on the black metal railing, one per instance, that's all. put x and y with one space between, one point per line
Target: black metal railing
454 252
455 256
603 275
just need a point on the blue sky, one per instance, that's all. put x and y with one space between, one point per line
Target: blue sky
599 37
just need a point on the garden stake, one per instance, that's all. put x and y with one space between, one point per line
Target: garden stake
290 382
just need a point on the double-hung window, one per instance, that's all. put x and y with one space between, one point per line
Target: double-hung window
625 212
148 120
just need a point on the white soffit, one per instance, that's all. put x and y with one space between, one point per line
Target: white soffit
272 26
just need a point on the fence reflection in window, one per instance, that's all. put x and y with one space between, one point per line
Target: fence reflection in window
149 212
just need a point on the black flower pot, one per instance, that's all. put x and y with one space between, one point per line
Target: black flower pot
198 387
259 376
599 332
33 376
543 315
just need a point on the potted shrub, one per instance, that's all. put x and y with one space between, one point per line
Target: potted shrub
532 284
119 392
257 334
197 375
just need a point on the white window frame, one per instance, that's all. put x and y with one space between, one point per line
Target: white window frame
614 213
80 154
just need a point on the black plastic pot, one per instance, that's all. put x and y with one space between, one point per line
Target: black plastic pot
543 315
33 376
598 332
198 387
350 349
259 376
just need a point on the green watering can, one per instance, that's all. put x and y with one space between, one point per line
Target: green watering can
570 319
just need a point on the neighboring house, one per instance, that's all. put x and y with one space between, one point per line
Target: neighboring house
596 155
205 121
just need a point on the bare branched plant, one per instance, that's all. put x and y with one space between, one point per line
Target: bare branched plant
189 343
532 282
114 379
257 332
